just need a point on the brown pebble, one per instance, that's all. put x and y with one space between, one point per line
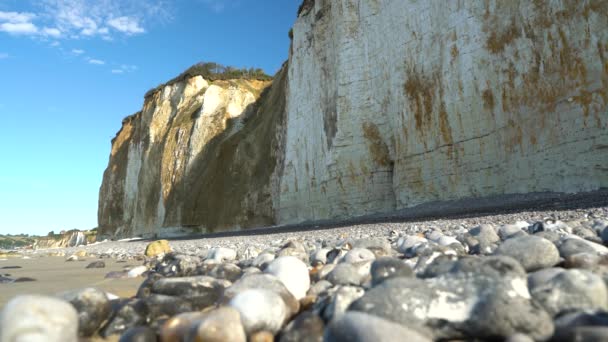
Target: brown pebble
307 302
262 336
177 327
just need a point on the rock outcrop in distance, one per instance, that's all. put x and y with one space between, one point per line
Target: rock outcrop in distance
382 106
72 238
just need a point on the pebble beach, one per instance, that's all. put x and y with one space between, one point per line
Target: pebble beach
524 276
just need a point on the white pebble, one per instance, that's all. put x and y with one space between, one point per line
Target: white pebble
293 273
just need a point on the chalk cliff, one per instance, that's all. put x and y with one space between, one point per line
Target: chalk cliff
383 105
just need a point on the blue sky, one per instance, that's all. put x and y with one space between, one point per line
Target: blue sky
70 70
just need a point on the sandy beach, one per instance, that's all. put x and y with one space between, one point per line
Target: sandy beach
54 275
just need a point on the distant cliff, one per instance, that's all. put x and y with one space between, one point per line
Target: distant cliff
71 238
198 157
382 106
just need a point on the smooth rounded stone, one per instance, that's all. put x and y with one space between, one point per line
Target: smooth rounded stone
571 246
138 334
221 254
440 265
262 336
260 310
494 266
596 334
230 272
179 265
250 270
129 314
293 272
358 255
459 305
157 248
387 267
250 253
445 241
379 246
429 255
336 255
408 245
532 252
572 290
507 231
542 277
97 264
219 325
10 267
361 327
554 237
295 244
485 234
321 272
519 338
262 260
201 291
598 248
341 299
345 274
38 318
587 234
306 327
582 260
568 326
179 326
6 280
319 287
294 252
116 275
263 282
161 305
93 307
319 256
24 280
145 288
137 271
72 258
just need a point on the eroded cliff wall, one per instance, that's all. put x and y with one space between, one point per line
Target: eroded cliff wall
173 164
383 105
395 103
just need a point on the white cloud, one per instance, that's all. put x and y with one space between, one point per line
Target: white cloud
51 32
124 68
16 17
77 51
18 23
96 61
19 28
126 25
77 19
55 43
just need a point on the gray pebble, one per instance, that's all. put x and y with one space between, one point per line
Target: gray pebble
532 252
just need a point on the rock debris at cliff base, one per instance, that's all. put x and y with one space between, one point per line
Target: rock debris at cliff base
521 277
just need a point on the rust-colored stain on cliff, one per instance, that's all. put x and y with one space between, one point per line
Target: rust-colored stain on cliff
497 41
377 147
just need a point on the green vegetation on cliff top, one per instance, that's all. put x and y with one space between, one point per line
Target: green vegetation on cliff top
213 72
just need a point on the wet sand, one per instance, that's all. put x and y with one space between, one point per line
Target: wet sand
54 275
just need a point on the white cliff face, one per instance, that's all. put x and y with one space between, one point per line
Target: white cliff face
396 103
384 105
153 153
